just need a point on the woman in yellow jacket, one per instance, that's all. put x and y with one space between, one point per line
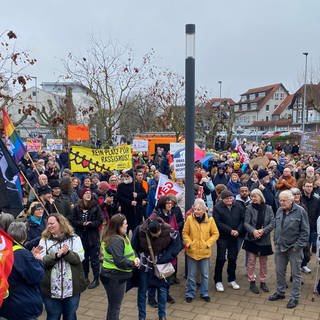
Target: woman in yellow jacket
199 234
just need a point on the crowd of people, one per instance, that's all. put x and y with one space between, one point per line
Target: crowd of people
78 230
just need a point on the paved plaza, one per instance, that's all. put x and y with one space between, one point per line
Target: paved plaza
231 304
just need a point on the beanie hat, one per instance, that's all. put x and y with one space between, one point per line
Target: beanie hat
154 226
236 166
36 206
262 173
129 172
83 191
44 190
226 194
54 184
103 187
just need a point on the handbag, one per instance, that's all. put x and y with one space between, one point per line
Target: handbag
162 270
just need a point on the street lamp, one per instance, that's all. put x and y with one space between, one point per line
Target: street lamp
304 109
190 114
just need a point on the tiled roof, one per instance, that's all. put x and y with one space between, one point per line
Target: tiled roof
281 122
270 90
261 89
215 102
283 105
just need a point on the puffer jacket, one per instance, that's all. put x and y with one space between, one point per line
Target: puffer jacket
63 276
199 237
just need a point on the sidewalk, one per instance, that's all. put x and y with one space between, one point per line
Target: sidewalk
231 304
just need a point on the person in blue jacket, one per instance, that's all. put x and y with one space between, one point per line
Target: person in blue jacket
24 301
36 223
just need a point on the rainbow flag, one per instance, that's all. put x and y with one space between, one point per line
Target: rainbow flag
15 145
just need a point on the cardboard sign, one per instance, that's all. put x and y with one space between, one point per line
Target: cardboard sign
78 133
54 144
262 162
140 145
310 143
97 160
34 144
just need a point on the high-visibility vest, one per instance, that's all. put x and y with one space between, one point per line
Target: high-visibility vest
14 248
128 253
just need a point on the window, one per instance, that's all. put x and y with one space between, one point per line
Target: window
252 96
276 96
34 93
267 118
243 98
262 94
267 107
236 108
275 107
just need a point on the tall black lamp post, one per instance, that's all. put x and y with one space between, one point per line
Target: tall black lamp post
190 114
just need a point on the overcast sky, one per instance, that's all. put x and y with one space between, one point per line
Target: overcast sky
243 43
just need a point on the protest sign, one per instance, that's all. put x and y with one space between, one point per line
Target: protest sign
34 144
54 144
262 162
179 165
310 143
175 146
96 160
78 133
140 145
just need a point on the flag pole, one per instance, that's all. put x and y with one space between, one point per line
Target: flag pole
33 190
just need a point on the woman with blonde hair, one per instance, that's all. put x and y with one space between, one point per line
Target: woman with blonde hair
258 223
62 255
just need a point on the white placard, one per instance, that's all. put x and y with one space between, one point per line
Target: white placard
179 167
54 144
175 146
140 145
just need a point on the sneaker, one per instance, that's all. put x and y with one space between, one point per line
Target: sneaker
292 303
93 284
219 287
234 285
305 269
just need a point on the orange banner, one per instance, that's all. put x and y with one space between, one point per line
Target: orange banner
78 133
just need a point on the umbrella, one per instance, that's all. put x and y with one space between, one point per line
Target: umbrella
198 154
205 160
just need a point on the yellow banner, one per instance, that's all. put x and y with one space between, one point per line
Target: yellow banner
96 160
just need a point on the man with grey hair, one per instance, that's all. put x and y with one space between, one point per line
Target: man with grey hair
290 237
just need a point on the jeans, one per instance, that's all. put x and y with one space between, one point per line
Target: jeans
294 256
91 254
223 246
193 266
144 278
115 290
66 307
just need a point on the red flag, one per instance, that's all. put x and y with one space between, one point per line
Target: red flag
6 263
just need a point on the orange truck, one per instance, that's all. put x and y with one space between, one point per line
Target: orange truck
158 139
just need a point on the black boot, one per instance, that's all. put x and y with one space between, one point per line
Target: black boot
253 287
93 284
264 287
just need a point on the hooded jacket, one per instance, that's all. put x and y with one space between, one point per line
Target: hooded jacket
199 237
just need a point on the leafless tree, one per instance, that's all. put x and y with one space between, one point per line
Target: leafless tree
13 65
111 76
